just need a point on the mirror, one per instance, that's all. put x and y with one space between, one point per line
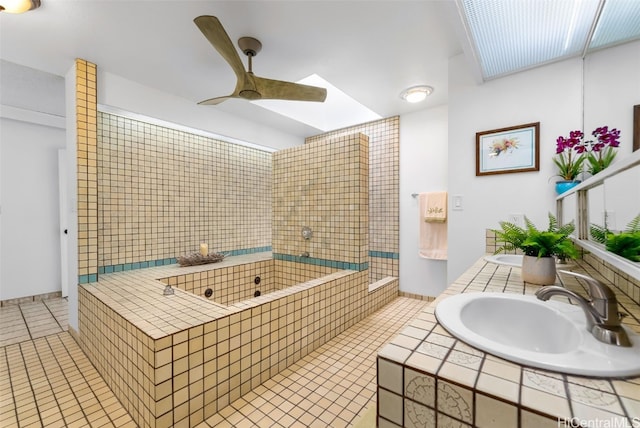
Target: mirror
612 197
622 198
569 205
616 199
596 206
608 202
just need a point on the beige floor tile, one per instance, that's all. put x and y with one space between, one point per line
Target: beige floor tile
53 384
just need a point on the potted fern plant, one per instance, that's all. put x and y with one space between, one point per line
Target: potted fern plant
540 248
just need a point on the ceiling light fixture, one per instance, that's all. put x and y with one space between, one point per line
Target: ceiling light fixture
18 6
415 94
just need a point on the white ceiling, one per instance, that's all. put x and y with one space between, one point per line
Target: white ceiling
371 50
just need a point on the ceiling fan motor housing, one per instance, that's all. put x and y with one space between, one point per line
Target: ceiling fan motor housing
249 45
249 94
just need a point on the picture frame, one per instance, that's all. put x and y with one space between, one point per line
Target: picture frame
508 150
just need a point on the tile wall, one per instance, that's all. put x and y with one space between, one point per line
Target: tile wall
164 191
87 170
628 285
323 186
384 185
228 285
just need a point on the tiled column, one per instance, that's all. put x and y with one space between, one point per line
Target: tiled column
87 190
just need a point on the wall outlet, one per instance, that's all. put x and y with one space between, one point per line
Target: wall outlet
517 219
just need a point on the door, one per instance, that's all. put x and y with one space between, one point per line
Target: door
64 216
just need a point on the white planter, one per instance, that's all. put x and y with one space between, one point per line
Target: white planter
539 271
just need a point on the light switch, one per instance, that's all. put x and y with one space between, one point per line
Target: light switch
457 203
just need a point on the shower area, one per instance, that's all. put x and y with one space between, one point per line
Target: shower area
162 192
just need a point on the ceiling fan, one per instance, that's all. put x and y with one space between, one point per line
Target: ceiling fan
249 86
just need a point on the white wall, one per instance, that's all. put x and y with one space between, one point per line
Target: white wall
612 88
423 160
550 95
31 132
118 92
30 245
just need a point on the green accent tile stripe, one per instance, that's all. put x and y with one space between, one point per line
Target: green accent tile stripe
85 279
162 262
244 251
384 255
322 262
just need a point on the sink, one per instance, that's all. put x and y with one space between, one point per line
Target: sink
549 335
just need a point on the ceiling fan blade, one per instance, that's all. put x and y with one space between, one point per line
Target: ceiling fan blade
280 90
216 100
218 37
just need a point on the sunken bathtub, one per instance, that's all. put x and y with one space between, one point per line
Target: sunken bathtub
178 359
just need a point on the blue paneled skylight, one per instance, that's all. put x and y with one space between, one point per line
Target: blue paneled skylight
619 22
514 35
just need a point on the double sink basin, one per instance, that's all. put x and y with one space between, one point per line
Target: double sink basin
550 335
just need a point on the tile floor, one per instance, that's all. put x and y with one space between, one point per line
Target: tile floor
51 383
32 320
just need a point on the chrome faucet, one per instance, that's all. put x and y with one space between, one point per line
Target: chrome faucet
304 254
601 309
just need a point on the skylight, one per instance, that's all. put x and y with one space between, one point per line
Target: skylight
619 22
510 36
338 111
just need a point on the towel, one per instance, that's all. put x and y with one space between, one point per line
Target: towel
436 207
433 234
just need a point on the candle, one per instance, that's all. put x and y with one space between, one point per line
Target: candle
204 249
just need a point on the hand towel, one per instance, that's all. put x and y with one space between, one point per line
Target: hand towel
436 207
433 235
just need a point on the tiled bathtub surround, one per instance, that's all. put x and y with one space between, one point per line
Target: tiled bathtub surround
323 186
236 283
176 360
426 375
384 164
164 191
228 285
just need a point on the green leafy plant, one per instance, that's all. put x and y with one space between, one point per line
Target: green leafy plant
625 243
534 242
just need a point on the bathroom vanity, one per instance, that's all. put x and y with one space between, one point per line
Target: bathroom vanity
426 375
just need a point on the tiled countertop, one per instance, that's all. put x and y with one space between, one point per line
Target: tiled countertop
137 296
467 387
